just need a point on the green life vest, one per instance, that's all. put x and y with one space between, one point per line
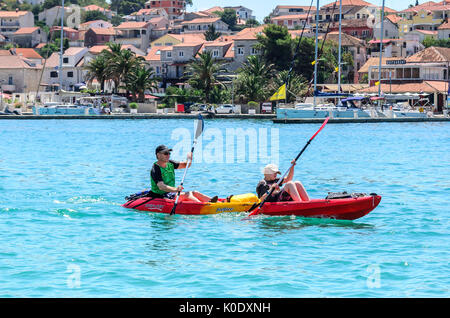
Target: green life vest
168 176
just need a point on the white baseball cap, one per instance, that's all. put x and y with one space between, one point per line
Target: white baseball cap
271 169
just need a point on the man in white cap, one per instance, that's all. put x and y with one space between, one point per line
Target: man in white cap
292 190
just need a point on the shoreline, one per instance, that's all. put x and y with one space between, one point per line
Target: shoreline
271 117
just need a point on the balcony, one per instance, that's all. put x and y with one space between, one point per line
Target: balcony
10 24
9 88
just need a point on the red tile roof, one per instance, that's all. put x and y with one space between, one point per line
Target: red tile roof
201 20
12 14
26 30
132 25
27 53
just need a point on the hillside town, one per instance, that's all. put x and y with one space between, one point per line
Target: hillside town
168 46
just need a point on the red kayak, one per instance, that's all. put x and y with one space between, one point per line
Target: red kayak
340 209
343 209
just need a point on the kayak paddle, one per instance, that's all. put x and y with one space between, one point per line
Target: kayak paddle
258 206
198 132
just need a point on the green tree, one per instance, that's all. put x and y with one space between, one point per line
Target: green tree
203 73
97 69
211 34
138 80
276 46
229 17
297 85
252 23
120 61
93 16
253 78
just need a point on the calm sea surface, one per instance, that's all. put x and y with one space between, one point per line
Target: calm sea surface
64 233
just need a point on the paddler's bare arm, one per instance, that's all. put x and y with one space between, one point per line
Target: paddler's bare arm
183 165
164 187
290 175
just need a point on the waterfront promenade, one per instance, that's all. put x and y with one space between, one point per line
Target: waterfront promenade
436 118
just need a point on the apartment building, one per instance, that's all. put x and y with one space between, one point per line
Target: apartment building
174 8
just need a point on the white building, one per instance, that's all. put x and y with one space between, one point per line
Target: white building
72 68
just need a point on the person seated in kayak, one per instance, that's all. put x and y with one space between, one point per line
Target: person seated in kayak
162 178
292 190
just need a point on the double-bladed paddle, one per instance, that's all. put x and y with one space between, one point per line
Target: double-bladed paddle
198 132
256 208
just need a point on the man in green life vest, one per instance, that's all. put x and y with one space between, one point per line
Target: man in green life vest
162 178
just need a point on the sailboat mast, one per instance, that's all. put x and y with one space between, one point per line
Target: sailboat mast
61 48
340 48
381 49
316 52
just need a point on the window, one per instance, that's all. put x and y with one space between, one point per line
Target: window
65 60
255 51
240 51
215 53
10 80
181 54
169 54
69 74
53 74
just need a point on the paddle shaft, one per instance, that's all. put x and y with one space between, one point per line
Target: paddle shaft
284 175
198 132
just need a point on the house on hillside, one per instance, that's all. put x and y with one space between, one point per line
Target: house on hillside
285 10
99 36
12 21
137 34
356 47
293 21
52 16
72 69
28 37
390 27
98 24
174 9
145 15
243 13
29 54
18 74
201 25
108 13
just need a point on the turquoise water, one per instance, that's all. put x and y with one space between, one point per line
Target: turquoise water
64 233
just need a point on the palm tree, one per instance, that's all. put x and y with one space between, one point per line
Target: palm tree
297 85
120 62
253 78
97 70
203 73
138 80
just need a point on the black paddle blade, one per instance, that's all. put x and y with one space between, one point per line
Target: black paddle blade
254 206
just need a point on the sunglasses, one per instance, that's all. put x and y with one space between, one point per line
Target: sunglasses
167 153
